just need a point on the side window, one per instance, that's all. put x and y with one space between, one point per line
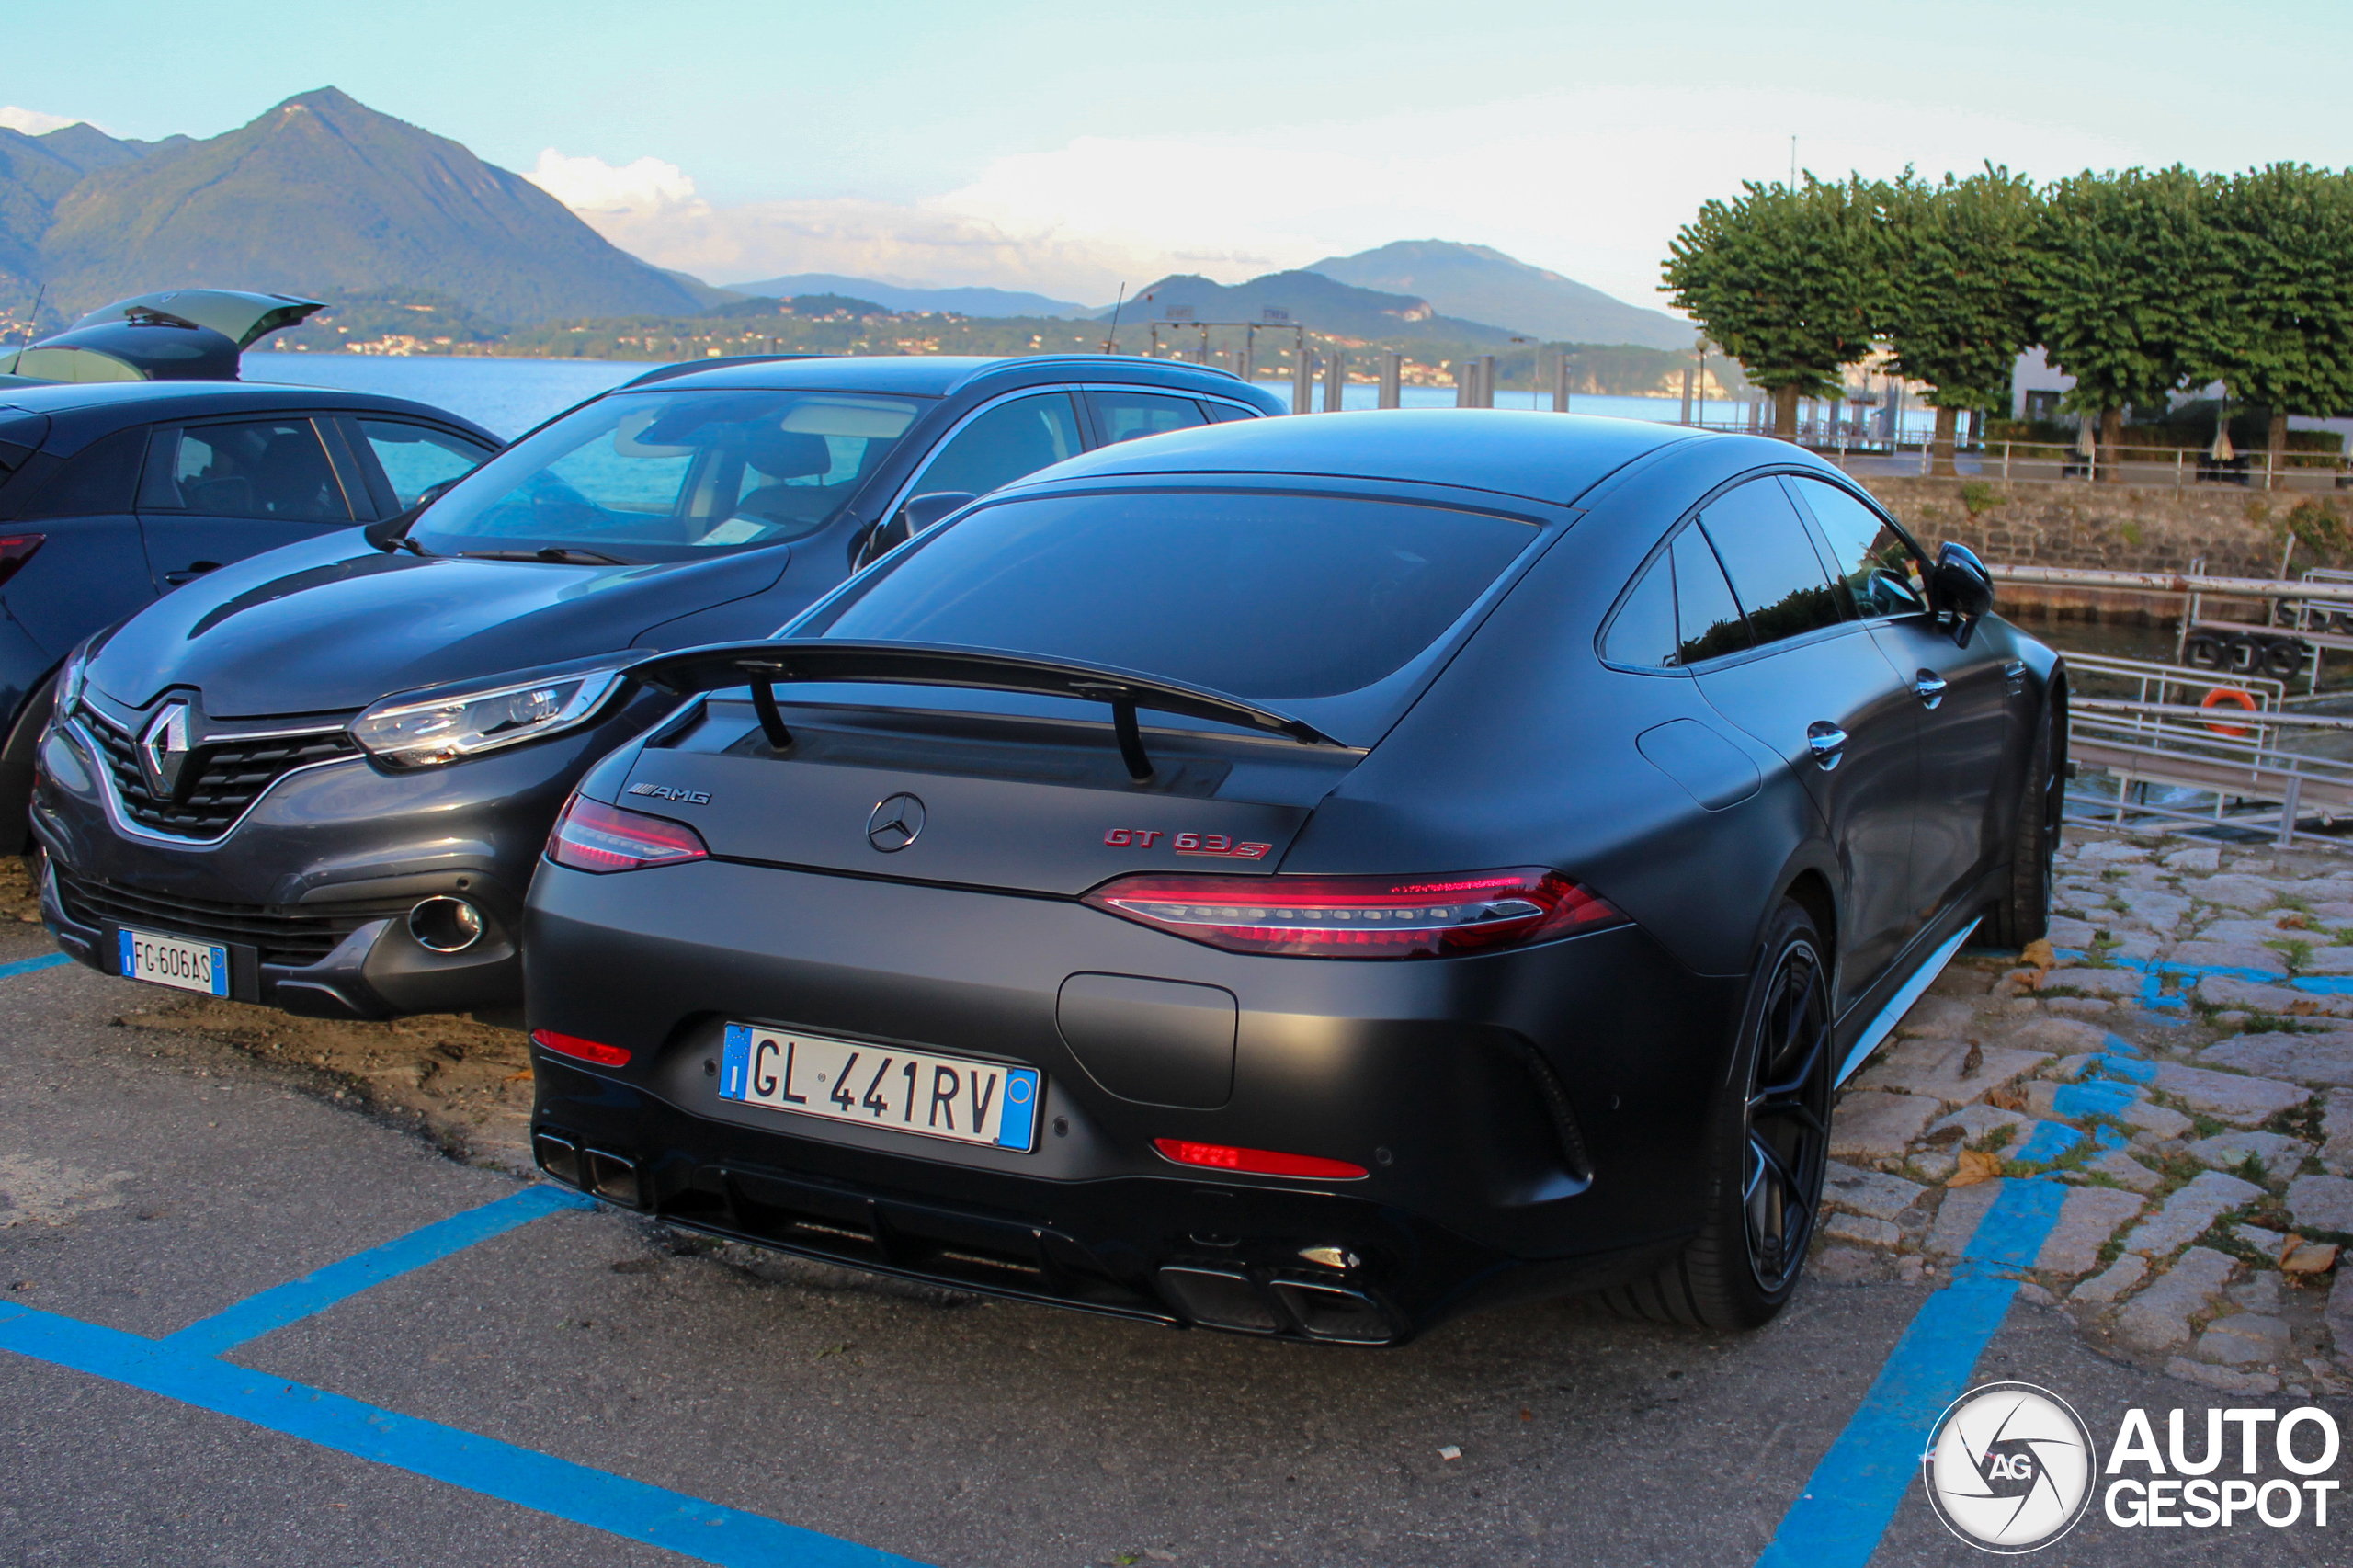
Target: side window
1220 413
415 457
1771 561
1875 562
1643 634
262 468
1125 415
1009 441
95 482
1708 622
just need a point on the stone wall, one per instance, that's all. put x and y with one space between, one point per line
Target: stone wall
2113 527
2109 527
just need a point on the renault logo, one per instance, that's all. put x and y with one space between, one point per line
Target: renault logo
895 824
163 749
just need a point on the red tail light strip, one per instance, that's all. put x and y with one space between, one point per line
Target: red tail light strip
594 836
603 1055
1256 1162
1360 917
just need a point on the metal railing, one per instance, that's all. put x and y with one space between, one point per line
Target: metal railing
2233 751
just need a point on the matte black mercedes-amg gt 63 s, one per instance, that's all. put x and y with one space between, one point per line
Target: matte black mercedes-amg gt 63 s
1302 877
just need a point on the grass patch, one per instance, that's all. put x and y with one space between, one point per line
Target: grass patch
2302 1122
2297 953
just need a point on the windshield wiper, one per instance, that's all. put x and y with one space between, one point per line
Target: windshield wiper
562 555
762 665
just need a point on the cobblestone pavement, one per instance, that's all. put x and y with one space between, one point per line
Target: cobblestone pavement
2180 1054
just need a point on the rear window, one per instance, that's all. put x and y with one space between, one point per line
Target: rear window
1267 596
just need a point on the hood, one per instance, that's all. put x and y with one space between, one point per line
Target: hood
332 625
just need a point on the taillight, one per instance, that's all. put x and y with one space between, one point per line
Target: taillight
603 1055
1256 1162
14 550
594 836
1360 917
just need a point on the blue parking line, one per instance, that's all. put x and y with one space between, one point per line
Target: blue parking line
314 1292
1848 1503
26 966
708 1532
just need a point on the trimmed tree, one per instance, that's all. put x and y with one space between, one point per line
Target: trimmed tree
2277 313
1956 306
1785 282
2120 264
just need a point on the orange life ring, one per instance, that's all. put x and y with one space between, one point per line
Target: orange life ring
2223 694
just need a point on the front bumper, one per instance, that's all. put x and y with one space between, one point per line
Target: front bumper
311 890
1530 1121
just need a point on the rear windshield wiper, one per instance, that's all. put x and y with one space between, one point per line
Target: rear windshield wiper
764 665
562 555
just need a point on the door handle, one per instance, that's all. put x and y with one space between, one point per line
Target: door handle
1826 741
195 569
1930 687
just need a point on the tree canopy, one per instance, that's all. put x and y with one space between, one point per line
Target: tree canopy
1784 279
1955 307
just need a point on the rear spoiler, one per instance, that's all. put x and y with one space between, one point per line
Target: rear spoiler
765 666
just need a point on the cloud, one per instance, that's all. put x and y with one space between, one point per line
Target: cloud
1593 186
32 121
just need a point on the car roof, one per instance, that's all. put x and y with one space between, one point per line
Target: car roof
939 375
81 406
1544 457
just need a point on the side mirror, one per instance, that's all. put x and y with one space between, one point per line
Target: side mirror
1963 590
919 513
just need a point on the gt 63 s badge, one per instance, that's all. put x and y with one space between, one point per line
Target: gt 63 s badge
1215 845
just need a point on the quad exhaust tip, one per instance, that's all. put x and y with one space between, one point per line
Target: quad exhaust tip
1217 1298
445 925
610 1176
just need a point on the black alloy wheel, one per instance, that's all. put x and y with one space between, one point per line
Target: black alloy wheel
1767 1146
1788 1120
2023 913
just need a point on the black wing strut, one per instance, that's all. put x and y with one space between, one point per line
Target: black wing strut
765 666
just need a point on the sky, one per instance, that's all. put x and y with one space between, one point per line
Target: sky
1036 146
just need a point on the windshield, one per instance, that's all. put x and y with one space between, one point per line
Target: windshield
1269 596
665 475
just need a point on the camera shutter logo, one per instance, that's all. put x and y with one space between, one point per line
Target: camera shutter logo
2010 1468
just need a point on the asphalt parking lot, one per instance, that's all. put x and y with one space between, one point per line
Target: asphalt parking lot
537 1382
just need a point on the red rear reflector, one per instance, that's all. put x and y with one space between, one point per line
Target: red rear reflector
593 836
15 549
603 1055
1360 917
1255 1162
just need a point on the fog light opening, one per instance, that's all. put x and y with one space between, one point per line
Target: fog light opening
445 925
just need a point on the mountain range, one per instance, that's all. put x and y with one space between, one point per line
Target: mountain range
903 297
320 196
323 196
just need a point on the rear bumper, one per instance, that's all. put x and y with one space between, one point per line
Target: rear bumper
1530 1121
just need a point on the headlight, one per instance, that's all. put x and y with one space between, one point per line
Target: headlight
426 730
69 680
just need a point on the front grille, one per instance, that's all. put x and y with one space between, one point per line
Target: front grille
220 781
286 934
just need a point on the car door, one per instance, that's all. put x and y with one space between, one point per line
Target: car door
1968 701
220 490
401 461
1777 653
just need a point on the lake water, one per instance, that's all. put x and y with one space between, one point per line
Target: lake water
509 396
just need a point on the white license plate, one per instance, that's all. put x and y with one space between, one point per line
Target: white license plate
873 1085
173 961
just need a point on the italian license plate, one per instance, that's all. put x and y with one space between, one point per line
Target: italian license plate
907 1091
173 961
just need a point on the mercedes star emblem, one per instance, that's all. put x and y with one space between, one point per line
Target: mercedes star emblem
895 824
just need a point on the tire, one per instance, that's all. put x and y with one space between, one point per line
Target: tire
2022 914
16 768
1768 1142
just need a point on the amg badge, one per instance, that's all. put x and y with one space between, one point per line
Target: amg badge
1215 845
665 793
